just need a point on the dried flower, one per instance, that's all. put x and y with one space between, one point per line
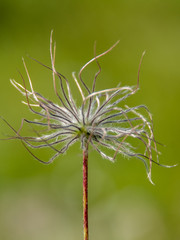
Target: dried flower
100 121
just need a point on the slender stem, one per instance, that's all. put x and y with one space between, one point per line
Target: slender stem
85 192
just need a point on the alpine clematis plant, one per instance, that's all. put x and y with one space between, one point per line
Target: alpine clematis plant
101 121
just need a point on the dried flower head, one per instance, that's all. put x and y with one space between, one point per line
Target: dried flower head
101 121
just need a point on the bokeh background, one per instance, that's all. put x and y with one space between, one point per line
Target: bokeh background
45 202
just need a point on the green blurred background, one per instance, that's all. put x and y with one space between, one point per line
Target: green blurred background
45 202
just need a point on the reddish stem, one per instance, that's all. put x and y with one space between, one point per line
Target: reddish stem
85 193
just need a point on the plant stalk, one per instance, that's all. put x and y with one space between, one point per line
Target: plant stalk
85 192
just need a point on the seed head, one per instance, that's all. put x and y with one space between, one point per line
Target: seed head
101 121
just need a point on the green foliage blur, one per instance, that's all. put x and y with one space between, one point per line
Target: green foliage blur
45 202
